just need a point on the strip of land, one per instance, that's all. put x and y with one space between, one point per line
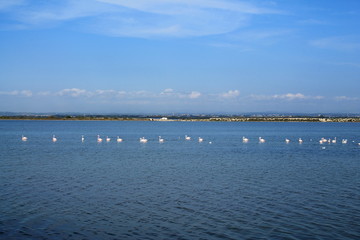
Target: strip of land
190 118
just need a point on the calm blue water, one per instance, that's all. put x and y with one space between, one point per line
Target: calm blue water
178 189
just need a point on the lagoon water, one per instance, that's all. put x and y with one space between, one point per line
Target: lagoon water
178 189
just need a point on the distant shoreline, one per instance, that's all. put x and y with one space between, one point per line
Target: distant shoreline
185 119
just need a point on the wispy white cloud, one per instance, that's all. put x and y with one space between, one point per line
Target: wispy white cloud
180 7
194 94
166 95
169 92
106 92
142 94
346 98
73 92
76 92
24 93
342 43
287 96
67 10
223 45
149 25
13 93
230 94
145 18
248 40
264 34
6 4
312 21
110 94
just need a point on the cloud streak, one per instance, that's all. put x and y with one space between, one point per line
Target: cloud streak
73 92
312 21
230 94
100 93
102 100
287 97
340 43
346 98
180 7
143 18
261 34
168 94
22 93
7 4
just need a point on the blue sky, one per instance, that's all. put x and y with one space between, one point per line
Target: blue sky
198 56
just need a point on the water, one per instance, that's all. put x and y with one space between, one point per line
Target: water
178 189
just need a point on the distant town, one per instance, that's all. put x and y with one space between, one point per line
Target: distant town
256 117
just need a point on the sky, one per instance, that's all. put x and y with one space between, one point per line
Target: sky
180 56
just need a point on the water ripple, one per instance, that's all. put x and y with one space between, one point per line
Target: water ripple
178 190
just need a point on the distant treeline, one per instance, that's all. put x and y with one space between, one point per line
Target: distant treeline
59 117
182 118
287 119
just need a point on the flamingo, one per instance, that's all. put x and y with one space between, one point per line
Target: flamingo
108 139
334 140
82 138
344 141
23 138
287 140
245 140
118 139
200 139
187 137
143 140
54 139
261 140
161 139
300 140
99 139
